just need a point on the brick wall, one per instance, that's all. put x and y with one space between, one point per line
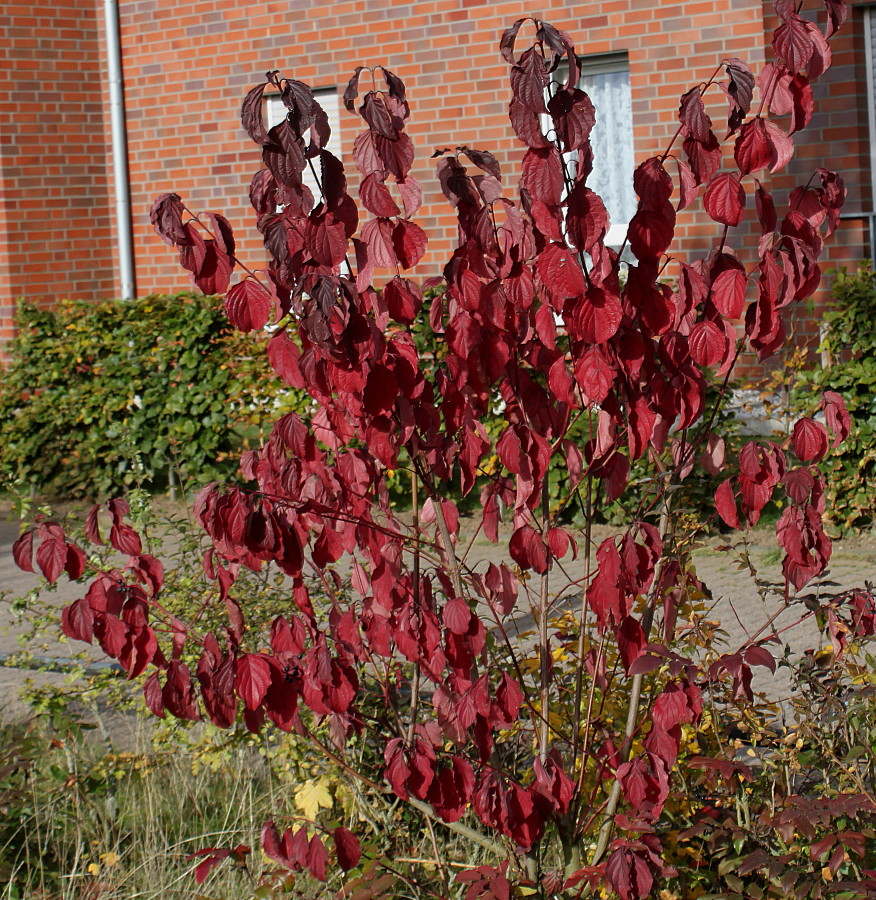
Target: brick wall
187 67
186 76
54 192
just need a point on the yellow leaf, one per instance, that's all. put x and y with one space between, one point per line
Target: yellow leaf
109 859
312 795
93 869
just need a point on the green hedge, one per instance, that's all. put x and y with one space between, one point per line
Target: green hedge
99 396
849 343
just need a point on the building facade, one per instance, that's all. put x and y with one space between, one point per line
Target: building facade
186 68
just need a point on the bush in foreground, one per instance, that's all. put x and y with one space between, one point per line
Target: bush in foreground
557 757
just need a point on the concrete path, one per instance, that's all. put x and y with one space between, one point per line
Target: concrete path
737 603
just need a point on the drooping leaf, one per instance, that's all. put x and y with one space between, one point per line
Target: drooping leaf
248 305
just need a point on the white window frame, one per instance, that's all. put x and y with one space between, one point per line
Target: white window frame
601 64
330 101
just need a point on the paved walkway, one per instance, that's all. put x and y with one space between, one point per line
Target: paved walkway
737 603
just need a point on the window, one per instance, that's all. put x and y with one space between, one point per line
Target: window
606 79
328 99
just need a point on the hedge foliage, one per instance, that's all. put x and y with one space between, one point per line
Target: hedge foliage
849 344
99 396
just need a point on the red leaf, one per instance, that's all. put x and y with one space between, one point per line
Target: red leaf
802 102
51 557
631 641
22 551
213 273
559 269
838 419
708 343
457 615
248 305
692 114
326 240
409 242
378 234
152 693
586 217
166 218
792 43
705 159
403 299
651 232
347 848
252 679
728 293
652 183
597 316
92 531
594 375
526 125
283 355
543 175
725 503
724 199
251 114
687 188
125 539
376 197
810 440
760 656
781 145
317 856
753 149
528 550
74 565
77 621
411 194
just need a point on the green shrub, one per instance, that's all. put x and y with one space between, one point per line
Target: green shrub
99 396
849 344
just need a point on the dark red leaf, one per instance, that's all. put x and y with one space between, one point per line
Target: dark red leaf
124 539
708 343
838 419
810 440
586 217
248 305
543 175
724 199
528 550
651 232
51 557
252 679
317 857
22 551
166 218
378 234
284 354
725 503
705 159
376 197
561 272
728 293
760 656
251 114
409 242
792 43
692 114
347 848
753 149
